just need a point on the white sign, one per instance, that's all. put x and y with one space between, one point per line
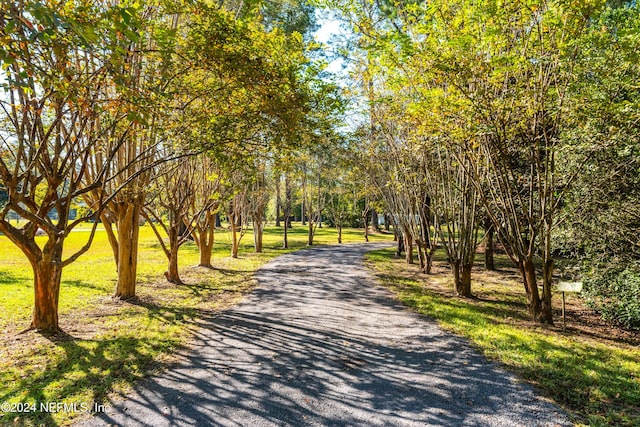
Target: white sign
569 287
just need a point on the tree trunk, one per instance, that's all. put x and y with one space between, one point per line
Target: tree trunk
400 239
528 271
374 220
421 258
302 215
365 220
285 238
218 222
234 237
428 260
340 233
47 273
206 239
172 273
128 224
387 223
462 278
257 236
310 233
489 249
408 247
546 314
205 248
287 211
278 202
455 270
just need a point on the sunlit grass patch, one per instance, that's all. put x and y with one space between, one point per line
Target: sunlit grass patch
597 382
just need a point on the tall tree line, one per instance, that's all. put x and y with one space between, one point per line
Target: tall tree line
507 117
138 111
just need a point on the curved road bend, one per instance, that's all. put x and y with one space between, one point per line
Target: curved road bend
318 344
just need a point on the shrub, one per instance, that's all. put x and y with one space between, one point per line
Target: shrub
615 293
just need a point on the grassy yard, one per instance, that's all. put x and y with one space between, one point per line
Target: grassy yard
594 377
109 344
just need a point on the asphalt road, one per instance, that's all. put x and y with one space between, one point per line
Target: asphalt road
319 344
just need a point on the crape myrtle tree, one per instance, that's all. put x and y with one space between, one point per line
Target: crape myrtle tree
342 191
171 72
257 199
456 201
507 69
173 209
145 70
243 92
320 143
238 209
312 169
513 81
59 81
208 198
398 171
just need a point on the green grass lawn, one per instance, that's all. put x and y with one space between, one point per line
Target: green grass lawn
109 344
596 380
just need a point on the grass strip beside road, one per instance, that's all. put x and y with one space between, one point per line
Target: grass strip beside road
597 382
109 344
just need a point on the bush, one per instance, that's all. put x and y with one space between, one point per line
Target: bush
616 295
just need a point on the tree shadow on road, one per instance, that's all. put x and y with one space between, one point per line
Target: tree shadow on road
314 347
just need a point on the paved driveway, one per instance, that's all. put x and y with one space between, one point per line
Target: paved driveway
318 344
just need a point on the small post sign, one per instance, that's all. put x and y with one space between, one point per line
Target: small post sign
567 287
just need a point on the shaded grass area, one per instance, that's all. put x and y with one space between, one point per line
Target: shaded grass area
108 344
597 382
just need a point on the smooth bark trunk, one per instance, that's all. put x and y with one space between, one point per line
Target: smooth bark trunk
489 263
285 237
111 237
546 314
408 247
428 260
47 272
234 238
287 211
206 239
365 220
400 239
257 236
128 232
278 202
172 274
462 278
421 258
374 220
528 271
205 248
